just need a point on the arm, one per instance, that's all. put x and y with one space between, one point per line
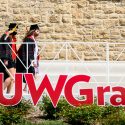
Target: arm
31 49
7 49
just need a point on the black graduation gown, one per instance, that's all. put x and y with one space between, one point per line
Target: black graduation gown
22 54
5 54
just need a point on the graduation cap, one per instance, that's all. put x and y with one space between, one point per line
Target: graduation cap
34 27
12 25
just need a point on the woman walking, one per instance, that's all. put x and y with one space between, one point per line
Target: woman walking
28 52
8 56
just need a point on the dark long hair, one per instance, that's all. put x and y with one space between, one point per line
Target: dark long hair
29 33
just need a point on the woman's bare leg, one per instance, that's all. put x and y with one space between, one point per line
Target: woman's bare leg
25 88
7 83
10 86
12 71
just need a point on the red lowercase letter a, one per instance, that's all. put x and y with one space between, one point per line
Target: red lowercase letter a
118 99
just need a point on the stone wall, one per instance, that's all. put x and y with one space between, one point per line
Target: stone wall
68 20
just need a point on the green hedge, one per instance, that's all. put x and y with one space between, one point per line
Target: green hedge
44 122
64 114
14 114
49 111
83 115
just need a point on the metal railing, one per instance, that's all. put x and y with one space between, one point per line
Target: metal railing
83 52
91 48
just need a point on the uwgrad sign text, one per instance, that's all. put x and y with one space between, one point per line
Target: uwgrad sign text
55 94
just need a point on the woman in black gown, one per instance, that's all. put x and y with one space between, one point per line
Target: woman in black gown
27 51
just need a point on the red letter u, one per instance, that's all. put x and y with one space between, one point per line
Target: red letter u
18 92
